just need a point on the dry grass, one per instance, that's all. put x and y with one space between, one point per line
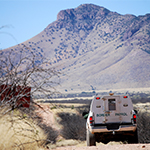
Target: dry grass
19 134
143 123
73 126
23 129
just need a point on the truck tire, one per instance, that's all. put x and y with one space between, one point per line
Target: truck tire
134 139
90 139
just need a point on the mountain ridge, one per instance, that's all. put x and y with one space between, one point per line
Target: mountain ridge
96 49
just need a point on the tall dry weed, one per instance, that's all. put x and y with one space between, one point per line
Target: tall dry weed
23 129
73 126
16 133
143 125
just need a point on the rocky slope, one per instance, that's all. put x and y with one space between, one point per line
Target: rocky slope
95 49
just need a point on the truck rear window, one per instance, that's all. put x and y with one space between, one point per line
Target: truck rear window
111 104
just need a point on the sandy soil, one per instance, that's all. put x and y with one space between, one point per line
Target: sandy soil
108 147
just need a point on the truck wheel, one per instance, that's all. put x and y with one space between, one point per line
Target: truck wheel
90 139
134 139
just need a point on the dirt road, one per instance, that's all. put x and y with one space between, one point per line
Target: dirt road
108 147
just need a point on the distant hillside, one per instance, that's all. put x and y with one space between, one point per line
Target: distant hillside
96 49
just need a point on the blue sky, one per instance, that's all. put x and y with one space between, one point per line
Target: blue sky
21 20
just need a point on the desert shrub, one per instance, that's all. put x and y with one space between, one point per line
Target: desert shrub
84 109
143 126
50 134
24 129
73 126
17 132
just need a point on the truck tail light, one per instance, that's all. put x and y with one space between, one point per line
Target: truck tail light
134 118
91 120
125 97
97 97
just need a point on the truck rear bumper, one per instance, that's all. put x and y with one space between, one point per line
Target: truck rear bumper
105 128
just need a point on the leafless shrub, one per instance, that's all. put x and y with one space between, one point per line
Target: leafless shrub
83 109
73 126
143 125
25 69
21 69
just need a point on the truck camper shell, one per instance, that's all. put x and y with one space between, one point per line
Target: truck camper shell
111 114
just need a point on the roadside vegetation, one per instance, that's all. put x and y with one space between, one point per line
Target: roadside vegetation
21 126
144 126
18 130
31 132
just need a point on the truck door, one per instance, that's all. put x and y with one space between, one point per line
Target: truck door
109 110
112 109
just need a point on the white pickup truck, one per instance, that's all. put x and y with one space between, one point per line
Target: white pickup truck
111 118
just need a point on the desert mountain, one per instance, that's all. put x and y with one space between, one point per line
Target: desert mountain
95 49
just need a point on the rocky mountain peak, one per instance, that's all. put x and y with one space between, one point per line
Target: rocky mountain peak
85 11
65 14
83 17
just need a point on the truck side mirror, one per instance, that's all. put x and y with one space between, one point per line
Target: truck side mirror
85 115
